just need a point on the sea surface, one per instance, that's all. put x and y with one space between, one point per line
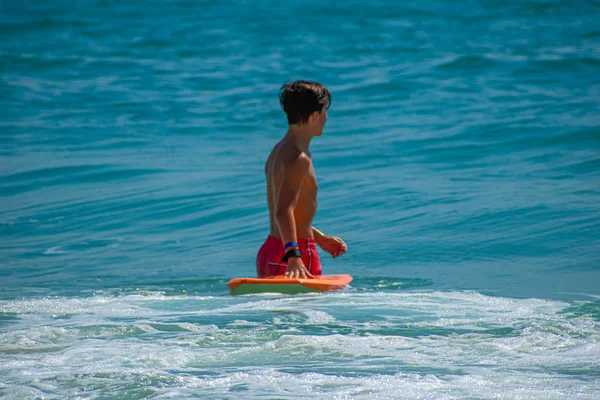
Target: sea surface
460 163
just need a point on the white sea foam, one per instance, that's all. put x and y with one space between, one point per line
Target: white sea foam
348 345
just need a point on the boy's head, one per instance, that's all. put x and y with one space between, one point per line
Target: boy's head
301 99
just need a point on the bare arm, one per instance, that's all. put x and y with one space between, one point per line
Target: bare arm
331 244
293 175
287 198
318 235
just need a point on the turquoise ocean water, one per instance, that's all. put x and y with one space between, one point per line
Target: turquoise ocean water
461 164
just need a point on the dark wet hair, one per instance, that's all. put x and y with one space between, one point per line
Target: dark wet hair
300 99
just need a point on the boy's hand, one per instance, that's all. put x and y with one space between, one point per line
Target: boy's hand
333 245
296 269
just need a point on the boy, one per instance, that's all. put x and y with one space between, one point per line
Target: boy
290 248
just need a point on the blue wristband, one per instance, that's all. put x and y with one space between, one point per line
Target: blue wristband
290 244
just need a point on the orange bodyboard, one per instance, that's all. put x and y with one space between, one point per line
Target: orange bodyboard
281 284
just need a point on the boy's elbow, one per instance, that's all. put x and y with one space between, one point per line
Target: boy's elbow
282 212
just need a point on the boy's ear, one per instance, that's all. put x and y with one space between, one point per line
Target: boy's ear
314 116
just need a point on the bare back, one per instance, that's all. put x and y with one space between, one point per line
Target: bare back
282 156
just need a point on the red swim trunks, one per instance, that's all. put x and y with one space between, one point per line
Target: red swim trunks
268 260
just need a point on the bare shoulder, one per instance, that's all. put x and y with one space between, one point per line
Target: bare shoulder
286 156
297 159
273 155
